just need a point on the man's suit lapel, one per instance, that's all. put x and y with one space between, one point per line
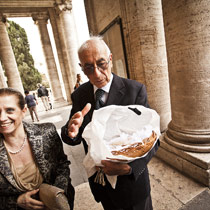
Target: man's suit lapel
117 91
89 98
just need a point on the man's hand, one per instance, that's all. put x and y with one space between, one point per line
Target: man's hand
112 168
76 121
25 201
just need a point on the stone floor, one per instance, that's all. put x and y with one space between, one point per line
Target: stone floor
170 189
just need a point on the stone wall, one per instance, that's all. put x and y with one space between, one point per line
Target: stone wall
101 13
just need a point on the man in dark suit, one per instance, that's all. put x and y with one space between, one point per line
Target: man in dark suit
132 190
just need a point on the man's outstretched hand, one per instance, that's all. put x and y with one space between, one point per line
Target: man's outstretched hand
76 121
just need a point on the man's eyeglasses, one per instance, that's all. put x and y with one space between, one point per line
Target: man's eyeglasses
100 65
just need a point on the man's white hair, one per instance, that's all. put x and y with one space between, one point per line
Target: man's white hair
86 44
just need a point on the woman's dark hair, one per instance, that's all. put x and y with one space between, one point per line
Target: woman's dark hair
11 91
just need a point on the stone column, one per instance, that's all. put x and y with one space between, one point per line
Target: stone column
8 59
187 26
153 51
146 52
41 21
67 20
3 83
62 53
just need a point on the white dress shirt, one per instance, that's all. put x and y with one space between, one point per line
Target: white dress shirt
106 89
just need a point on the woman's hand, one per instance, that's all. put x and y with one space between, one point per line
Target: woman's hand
25 201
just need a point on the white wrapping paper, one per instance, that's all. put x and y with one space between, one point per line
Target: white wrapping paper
113 126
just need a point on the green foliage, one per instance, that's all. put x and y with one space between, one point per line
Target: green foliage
46 84
30 76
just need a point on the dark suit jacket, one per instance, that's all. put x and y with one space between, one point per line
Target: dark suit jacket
48 152
130 189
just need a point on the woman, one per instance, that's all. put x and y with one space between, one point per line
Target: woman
31 102
30 154
79 81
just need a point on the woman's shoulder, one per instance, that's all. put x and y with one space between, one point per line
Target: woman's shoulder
29 96
39 128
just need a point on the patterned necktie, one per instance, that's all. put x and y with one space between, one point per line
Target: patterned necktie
99 94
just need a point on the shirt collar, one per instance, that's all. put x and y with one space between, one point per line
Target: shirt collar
106 88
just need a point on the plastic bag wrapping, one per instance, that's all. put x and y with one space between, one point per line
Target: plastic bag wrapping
114 126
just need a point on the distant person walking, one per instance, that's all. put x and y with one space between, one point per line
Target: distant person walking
43 94
79 81
31 104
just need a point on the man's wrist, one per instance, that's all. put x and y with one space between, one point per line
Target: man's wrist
130 171
66 131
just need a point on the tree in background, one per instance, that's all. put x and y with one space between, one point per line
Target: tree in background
30 76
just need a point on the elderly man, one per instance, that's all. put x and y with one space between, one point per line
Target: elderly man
132 190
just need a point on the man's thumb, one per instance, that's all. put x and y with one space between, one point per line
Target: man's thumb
86 109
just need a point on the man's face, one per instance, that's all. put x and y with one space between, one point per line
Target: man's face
96 64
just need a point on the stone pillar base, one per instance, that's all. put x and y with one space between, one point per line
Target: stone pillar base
57 104
192 164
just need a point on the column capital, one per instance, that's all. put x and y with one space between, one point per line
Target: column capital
66 5
40 17
3 18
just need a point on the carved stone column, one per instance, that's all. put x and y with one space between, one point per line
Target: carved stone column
153 49
146 52
8 59
57 28
67 20
187 27
41 21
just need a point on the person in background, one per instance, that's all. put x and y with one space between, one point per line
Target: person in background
49 99
43 94
50 103
132 190
31 102
31 154
34 94
79 81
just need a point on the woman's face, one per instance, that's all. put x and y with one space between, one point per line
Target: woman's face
11 115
